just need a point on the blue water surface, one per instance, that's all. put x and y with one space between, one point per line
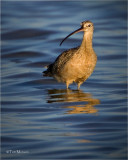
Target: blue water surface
40 118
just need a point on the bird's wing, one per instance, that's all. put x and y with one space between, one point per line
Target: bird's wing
64 58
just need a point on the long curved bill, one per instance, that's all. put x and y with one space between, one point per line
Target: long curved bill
76 31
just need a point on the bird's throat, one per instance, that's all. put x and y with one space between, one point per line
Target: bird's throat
87 41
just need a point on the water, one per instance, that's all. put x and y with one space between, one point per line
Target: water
40 119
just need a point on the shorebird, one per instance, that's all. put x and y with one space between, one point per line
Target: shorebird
75 64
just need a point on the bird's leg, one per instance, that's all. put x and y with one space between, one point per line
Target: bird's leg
67 84
78 85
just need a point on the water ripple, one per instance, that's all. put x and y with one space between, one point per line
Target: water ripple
39 116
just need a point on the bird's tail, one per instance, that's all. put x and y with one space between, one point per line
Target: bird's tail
48 72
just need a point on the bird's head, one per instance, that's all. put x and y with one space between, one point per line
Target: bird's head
87 26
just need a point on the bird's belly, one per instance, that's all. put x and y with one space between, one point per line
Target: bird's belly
77 69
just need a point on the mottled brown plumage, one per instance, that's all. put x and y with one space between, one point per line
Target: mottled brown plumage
76 64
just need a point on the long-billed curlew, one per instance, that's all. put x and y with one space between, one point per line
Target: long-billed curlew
76 64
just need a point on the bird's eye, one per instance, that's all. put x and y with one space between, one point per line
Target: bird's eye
89 25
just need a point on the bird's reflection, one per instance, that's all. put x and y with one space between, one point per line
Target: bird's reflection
81 102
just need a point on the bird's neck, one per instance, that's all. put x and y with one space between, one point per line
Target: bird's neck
87 42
